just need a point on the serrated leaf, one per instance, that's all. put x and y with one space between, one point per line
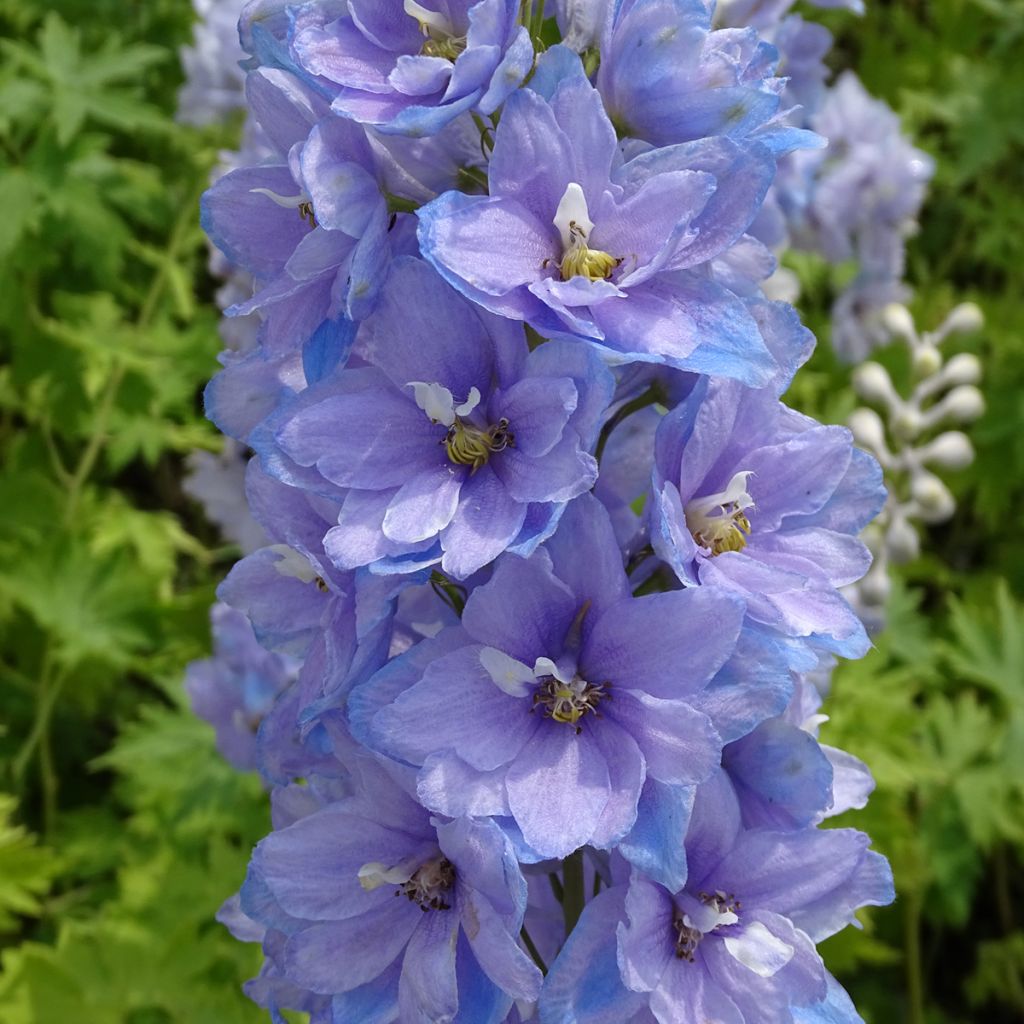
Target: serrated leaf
25 868
20 210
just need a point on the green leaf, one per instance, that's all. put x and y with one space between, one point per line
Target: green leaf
20 211
26 869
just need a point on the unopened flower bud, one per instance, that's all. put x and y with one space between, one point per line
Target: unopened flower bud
907 423
898 321
868 431
964 404
964 319
872 382
901 541
962 369
875 587
927 361
951 450
933 497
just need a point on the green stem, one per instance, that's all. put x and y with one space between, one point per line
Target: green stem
1004 900
147 311
912 952
651 396
574 898
486 136
556 887
38 740
531 948
396 204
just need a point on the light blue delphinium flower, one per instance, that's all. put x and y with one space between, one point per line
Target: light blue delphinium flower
784 778
212 90
454 442
753 497
549 705
411 68
736 944
311 228
859 200
666 78
236 688
572 245
391 913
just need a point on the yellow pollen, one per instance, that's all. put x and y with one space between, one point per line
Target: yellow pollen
447 48
307 214
579 260
719 521
569 702
468 445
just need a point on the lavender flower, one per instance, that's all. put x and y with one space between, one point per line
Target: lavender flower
573 247
752 497
666 77
736 943
453 446
550 707
425 913
236 688
407 68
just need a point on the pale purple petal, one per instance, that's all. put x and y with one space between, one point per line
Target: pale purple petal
485 523
558 789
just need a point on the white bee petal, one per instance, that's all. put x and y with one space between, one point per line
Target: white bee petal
509 675
572 209
546 667
469 404
432 19
292 564
374 875
436 401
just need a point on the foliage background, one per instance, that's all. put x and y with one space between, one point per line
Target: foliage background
121 830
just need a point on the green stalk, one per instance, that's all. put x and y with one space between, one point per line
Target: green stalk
572 882
912 952
531 948
651 396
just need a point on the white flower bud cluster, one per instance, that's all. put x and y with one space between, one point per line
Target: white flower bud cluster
901 433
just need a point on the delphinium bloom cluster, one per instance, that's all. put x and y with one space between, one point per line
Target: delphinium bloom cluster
853 203
548 564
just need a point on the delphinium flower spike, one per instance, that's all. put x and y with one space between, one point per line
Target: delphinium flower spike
549 565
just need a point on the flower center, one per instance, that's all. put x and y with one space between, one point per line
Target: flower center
426 885
575 226
719 522
715 910
687 938
302 202
430 884
570 701
440 39
469 445
467 442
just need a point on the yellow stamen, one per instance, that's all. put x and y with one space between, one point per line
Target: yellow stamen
468 445
580 260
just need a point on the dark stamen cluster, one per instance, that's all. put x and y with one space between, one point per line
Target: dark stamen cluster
569 702
687 939
469 445
430 883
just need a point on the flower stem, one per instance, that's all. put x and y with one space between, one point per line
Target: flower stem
531 948
572 882
912 951
651 396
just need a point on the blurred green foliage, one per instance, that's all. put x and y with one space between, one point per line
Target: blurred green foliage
121 830
937 710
